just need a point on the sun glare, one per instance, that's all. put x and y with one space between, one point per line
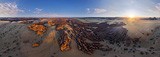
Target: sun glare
131 16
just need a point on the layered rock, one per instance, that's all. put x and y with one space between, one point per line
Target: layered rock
39 28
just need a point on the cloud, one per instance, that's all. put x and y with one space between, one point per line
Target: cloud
41 13
37 11
48 15
96 10
9 9
99 10
52 15
157 6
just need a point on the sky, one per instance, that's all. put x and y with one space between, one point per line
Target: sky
79 8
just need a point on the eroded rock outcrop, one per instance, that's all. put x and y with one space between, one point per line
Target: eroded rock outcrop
39 28
86 35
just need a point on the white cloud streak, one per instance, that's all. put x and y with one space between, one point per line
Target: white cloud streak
96 11
158 6
37 11
41 13
9 9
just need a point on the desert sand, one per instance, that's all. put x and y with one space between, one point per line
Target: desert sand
16 40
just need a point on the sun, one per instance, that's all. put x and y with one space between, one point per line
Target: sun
131 16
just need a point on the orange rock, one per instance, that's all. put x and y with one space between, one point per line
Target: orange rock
59 27
38 28
65 46
51 23
35 45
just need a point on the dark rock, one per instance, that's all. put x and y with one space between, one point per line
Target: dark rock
151 47
153 53
141 53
